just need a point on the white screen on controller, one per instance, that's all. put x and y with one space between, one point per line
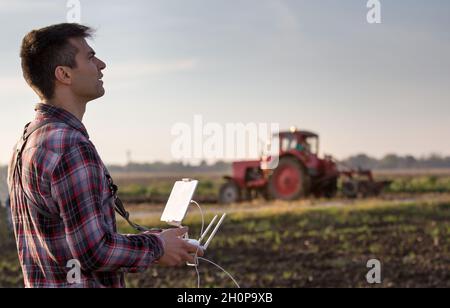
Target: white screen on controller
179 201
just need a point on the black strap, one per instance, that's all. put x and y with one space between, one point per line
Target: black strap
120 208
18 164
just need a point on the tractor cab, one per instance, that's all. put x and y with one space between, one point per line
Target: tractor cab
299 141
304 146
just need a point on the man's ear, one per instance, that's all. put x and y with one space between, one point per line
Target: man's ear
63 74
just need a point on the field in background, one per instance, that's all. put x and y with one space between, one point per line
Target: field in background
143 187
321 245
308 243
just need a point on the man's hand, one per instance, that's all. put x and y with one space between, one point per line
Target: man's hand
176 250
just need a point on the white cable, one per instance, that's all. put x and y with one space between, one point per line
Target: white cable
196 252
201 213
221 268
198 275
200 258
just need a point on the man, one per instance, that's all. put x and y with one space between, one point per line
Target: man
62 200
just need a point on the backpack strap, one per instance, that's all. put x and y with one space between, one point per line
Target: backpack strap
17 167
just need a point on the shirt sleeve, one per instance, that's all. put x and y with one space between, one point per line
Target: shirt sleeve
77 185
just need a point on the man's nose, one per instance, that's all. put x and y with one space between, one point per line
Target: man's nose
101 64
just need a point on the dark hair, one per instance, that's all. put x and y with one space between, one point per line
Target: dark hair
45 49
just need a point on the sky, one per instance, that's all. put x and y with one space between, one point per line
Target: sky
319 65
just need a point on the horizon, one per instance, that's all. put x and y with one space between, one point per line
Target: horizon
212 163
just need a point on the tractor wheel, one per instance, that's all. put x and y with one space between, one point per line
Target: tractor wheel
289 181
229 193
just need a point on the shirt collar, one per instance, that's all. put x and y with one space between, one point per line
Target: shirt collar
46 111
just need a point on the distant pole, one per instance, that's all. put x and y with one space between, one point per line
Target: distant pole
128 157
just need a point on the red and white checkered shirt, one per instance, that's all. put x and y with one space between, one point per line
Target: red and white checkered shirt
64 175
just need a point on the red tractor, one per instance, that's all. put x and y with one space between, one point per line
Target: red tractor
300 172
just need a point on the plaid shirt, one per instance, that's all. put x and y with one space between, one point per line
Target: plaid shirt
64 175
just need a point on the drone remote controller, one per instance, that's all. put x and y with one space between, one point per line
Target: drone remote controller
179 200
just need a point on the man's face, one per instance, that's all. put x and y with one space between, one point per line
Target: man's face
86 77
